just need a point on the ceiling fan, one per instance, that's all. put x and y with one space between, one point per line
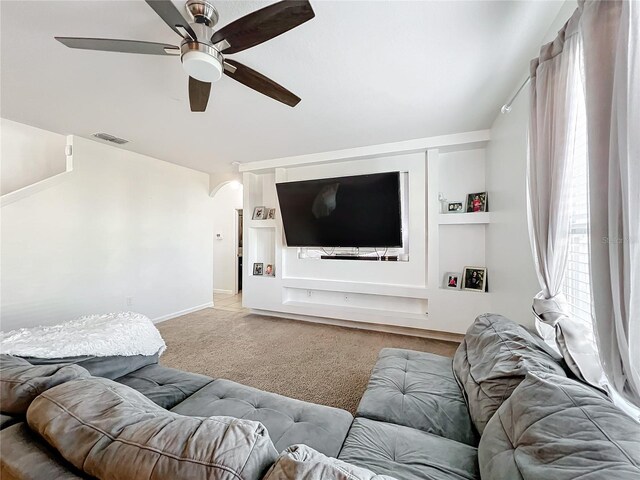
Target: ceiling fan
203 49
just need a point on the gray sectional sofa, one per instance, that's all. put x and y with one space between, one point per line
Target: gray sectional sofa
503 408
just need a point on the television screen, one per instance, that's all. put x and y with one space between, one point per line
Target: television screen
357 211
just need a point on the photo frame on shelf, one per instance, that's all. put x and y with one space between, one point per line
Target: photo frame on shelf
452 280
258 269
271 213
455 207
477 202
269 271
259 213
474 279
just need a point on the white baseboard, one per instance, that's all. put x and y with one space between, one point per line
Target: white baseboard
182 312
221 291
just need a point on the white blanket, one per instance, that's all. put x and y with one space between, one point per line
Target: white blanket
122 333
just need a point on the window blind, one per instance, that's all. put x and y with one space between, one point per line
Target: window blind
576 285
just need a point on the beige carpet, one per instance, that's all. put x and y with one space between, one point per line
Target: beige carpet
312 362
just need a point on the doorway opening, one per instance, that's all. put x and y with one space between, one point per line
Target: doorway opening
238 246
227 245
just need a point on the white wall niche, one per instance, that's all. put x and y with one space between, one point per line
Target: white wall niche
396 294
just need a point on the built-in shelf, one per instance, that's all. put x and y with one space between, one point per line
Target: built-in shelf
262 223
346 312
464 218
460 290
409 291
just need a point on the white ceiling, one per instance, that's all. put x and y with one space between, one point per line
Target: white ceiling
368 72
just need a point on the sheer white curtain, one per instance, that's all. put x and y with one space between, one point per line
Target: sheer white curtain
557 108
586 85
610 32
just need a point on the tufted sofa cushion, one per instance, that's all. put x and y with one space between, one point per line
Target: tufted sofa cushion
493 358
288 421
96 424
557 428
418 390
165 386
21 382
407 453
300 462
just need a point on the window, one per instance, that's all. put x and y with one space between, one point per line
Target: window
576 284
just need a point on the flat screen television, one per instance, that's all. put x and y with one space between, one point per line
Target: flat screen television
357 211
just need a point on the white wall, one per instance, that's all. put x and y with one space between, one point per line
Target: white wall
123 226
28 155
513 280
226 201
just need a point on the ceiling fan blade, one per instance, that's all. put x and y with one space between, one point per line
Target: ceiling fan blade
263 25
172 17
124 46
252 79
198 94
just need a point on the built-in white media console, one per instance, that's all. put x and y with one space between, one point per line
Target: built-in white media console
379 263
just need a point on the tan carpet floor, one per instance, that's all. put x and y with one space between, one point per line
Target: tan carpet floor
312 362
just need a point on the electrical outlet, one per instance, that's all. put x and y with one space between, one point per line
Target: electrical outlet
309 293
129 301
346 298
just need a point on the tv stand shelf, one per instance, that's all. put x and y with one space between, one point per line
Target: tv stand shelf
464 218
382 258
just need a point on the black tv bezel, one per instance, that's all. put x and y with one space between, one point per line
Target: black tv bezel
326 179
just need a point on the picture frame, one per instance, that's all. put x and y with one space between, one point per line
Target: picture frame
477 202
271 213
455 207
259 213
269 271
474 279
452 280
258 269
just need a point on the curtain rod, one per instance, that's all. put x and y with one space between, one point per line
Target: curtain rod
506 108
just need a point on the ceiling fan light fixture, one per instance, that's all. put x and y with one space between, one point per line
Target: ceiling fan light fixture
202 47
202 62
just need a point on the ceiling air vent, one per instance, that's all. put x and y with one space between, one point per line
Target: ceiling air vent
110 138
